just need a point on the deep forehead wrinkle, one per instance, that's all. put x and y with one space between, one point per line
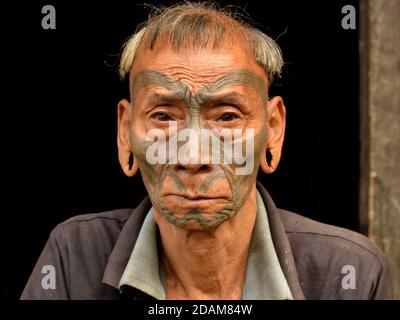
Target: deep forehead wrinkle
150 77
233 78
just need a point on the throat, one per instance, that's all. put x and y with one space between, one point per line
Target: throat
208 264
206 281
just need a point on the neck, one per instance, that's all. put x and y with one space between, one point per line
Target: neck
208 264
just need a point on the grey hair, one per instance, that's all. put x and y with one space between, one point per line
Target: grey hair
198 25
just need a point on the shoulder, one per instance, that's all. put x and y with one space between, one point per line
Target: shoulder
325 254
298 226
99 227
118 216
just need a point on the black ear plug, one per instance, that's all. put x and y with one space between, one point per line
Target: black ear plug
269 157
130 160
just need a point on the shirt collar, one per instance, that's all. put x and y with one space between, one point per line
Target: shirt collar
144 270
264 277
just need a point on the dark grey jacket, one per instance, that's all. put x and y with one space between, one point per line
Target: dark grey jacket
90 252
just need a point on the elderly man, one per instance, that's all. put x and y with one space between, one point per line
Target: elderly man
198 125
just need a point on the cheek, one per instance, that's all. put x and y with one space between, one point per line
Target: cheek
138 147
246 155
241 184
150 173
260 144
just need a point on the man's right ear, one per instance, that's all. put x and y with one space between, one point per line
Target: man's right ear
124 147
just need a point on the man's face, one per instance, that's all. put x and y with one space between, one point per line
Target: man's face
215 90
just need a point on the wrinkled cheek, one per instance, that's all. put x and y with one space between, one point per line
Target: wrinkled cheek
242 184
150 173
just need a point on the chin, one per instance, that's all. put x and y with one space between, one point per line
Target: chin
195 209
197 220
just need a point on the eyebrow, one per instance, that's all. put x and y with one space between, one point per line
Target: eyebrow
157 98
150 77
226 98
207 93
233 78
235 99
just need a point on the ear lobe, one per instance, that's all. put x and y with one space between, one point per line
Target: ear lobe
125 161
268 166
124 148
276 132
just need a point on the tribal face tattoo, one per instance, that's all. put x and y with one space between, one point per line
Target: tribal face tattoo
197 195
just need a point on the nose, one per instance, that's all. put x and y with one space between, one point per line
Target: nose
190 163
192 168
190 158
191 175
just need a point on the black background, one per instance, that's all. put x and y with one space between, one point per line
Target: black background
59 122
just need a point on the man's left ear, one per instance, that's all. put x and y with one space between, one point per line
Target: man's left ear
276 132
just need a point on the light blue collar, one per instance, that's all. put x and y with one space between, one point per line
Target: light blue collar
264 277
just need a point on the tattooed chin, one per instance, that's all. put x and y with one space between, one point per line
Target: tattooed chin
200 214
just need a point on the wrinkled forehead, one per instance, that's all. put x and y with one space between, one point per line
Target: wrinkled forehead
227 82
196 69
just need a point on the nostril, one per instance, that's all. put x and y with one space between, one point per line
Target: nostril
193 167
204 167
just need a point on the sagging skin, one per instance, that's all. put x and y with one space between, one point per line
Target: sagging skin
205 213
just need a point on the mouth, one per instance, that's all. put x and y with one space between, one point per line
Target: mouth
196 197
189 200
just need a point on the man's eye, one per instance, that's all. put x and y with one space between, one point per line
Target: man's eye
228 117
161 116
